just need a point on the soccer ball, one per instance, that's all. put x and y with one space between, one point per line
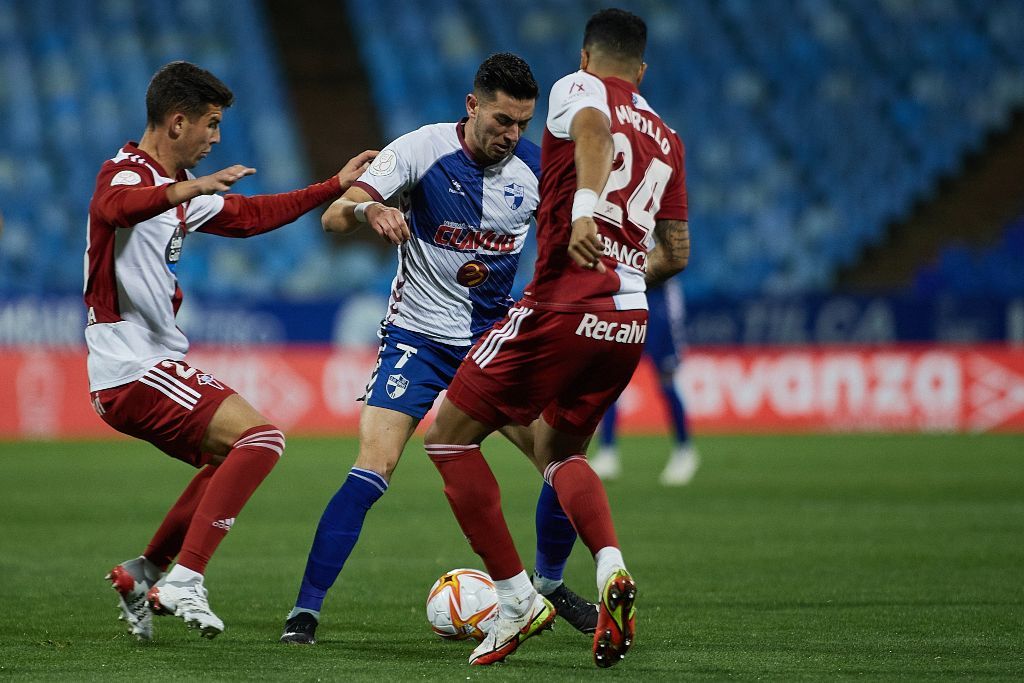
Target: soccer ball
462 604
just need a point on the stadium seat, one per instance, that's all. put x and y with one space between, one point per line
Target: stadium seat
854 100
73 78
809 131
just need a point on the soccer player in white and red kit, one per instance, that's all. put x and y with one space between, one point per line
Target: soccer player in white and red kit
145 205
612 220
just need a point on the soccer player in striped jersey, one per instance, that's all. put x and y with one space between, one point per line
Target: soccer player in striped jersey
466 193
145 205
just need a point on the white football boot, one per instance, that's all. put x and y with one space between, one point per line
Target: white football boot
187 600
681 467
606 464
507 633
131 583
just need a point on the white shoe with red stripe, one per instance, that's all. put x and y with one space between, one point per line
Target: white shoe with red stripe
506 634
130 582
187 600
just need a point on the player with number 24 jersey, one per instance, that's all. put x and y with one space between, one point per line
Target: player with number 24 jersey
647 179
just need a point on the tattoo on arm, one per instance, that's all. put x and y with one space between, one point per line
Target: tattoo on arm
671 252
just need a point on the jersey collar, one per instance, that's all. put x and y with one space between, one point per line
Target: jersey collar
132 147
629 85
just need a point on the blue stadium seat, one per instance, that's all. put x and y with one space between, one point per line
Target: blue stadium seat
859 101
73 77
810 125
985 272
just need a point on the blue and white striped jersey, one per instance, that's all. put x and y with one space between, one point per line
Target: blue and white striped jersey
468 223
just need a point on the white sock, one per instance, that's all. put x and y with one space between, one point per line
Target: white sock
180 574
544 585
515 595
609 559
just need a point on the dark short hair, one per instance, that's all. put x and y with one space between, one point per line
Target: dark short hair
508 73
617 33
184 87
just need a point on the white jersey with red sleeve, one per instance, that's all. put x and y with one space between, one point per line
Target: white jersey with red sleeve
134 241
647 184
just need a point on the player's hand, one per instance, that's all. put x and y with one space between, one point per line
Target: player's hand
388 222
585 246
222 180
355 167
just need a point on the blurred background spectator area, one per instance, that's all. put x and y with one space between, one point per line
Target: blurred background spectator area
832 145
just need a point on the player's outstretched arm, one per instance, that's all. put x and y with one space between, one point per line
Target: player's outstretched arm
357 207
221 181
240 216
671 251
355 167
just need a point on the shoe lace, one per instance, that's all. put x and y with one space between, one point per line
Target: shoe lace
302 623
194 598
137 603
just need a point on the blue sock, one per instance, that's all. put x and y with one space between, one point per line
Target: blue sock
676 411
555 535
608 426
337 534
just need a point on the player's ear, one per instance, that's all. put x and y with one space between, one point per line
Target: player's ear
584 59
471 105
176 124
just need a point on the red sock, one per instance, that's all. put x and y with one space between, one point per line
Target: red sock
475 498
585 503
166 542
247 464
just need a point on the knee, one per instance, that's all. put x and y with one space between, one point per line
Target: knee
375 458
266 440
433 435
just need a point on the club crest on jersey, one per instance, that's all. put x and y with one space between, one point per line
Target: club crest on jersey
514 194
209 380
126 178
472 274
397 384
384 164
173 251
456 188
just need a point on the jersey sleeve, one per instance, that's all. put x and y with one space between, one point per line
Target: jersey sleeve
571 94
201 209
673 203
234 215
397 168
126 195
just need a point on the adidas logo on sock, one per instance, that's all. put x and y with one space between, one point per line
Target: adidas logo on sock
224 524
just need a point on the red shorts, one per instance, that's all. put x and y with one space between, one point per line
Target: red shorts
170 407
570 367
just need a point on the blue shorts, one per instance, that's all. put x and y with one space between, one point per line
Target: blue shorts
664 327
411 371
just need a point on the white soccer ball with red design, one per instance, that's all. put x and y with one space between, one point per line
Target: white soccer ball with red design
462 604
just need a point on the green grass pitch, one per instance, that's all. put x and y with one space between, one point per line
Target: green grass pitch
788 558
